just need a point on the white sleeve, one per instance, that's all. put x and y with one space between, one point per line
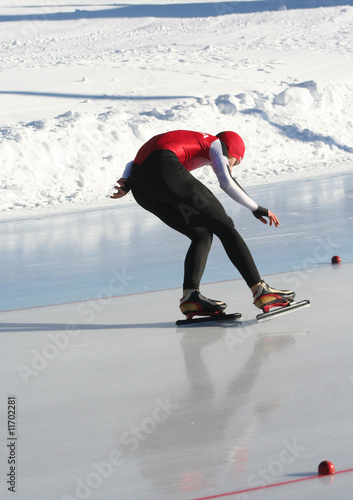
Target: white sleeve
127 170
227 183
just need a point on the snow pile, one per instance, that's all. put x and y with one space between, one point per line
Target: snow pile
77 104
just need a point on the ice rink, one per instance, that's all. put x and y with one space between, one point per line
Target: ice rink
114 402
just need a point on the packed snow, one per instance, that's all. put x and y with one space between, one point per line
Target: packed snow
83 86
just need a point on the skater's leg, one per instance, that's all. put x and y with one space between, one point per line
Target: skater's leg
196 257
238 253
201 239
265 297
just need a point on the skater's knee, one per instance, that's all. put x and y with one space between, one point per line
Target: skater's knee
220 225
199 234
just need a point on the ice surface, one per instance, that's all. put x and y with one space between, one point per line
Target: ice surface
124 250
115 402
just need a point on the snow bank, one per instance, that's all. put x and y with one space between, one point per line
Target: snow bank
77 104
75 158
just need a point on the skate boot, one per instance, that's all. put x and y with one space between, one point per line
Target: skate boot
194 304
266 297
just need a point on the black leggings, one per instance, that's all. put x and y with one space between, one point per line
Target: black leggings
164 187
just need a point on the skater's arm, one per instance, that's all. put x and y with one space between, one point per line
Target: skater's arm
221 169
233 188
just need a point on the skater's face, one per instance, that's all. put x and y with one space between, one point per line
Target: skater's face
232 162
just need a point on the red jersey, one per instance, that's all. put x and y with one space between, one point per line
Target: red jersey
191 148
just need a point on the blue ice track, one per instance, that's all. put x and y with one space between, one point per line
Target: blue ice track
124 250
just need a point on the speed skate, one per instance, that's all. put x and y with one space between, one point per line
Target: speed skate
279 310
218 317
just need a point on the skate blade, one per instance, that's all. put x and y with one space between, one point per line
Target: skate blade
283 310
209 319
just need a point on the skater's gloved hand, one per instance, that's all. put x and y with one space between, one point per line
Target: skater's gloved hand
262 212
122 189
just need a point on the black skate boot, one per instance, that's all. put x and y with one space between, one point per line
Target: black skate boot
266 297
194 304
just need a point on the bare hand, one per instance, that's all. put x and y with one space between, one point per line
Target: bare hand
273 219
120 189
